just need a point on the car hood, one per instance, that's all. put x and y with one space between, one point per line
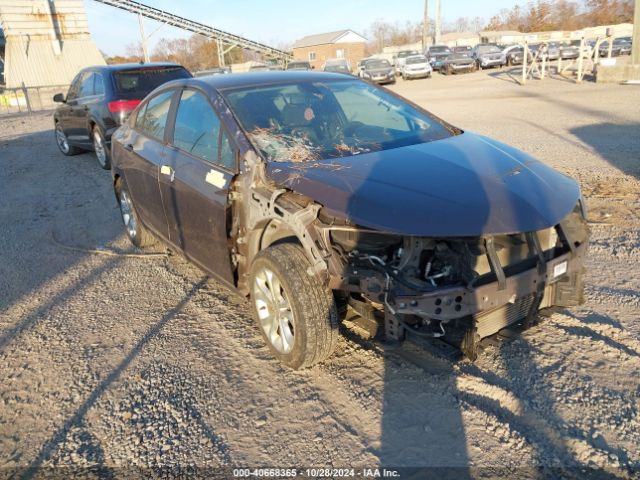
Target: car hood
465 185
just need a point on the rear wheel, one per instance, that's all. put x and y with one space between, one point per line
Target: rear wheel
63 142
296 314
136 232
101 149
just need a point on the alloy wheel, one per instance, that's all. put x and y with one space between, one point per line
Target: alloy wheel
274 310
128 217
98 146
61 138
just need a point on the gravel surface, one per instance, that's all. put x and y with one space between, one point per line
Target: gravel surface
113 362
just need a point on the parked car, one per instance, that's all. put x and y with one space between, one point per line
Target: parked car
259 67
569 51
462 49
360 65
337 65
416 66
513 55
299 65
213 71
436 55
400 58
624 44
553 51
99 100
379 71
487 56
458 62
603 49
313 192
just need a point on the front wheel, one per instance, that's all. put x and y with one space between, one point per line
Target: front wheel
296 314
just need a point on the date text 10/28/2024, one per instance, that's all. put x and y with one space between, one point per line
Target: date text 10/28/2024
315 472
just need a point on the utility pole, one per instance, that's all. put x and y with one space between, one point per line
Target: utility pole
635 52
425 25
438 19
143 39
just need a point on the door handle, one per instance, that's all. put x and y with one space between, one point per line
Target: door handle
167 170
128 147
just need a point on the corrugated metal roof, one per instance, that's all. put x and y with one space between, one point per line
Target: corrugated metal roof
61 18
47 42
321 38
35 63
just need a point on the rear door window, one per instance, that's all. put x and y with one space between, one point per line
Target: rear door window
86 85
143 80
98 84
152 117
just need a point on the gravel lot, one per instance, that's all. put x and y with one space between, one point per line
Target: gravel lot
112 361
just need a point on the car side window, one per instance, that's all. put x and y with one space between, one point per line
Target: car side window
197 127
74 89
86 85
98 84
153 116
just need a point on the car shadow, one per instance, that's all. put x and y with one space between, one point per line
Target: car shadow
425 417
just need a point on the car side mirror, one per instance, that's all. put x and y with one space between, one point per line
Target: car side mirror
59 98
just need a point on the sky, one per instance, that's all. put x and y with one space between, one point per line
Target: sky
274 22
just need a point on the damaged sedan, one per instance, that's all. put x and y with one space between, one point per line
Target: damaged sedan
321 196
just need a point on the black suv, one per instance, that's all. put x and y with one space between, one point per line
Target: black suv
100 98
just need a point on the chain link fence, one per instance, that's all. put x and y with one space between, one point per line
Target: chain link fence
29 99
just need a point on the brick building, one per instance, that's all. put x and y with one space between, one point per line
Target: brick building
316 49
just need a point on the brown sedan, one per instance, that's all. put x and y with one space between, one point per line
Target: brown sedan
314 193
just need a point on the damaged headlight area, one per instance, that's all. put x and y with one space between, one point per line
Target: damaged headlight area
461 289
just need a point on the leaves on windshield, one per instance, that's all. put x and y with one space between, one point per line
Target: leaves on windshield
281 147
297 146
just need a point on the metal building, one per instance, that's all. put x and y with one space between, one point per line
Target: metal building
47 42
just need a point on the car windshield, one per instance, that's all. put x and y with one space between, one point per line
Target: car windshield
459 56
144 80
414 60
374 64
322 120
439 50
489 49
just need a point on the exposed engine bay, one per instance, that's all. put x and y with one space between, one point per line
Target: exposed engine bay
461 289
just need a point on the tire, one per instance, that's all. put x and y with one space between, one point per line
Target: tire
136 231
63 143
404 77
100 147
304 332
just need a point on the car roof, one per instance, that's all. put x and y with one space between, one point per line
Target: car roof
257 79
